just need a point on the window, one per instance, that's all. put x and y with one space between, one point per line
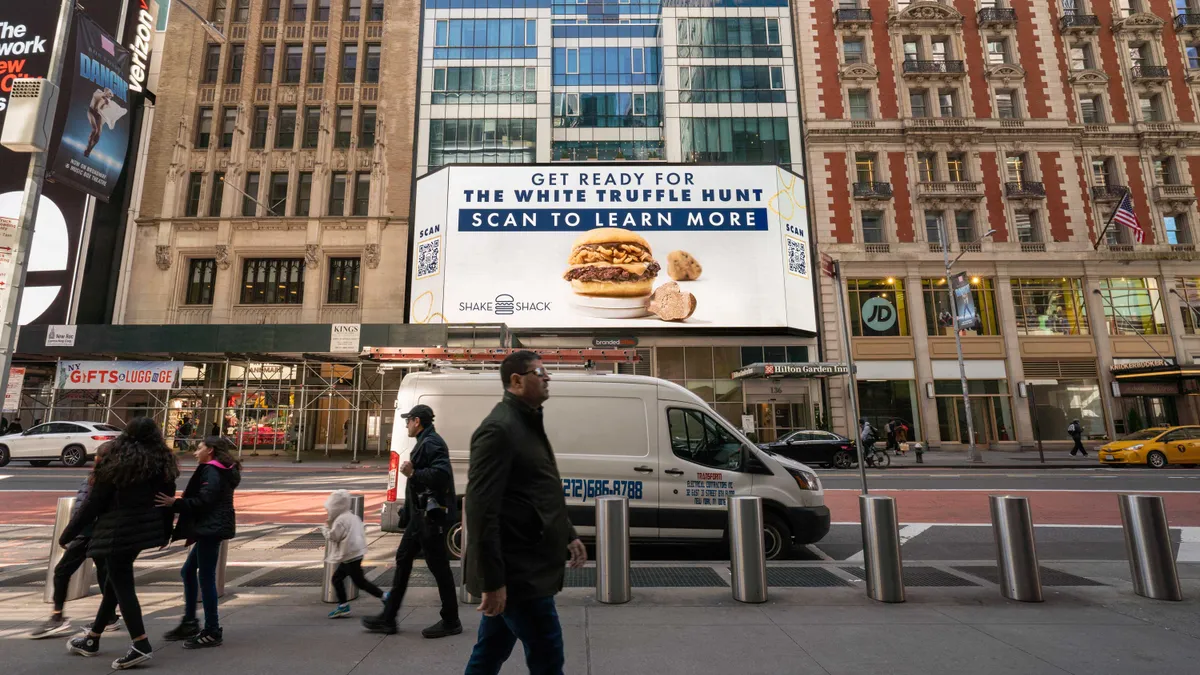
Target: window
293 61
297 10
366 127
1027 227
272 11
738 139
303 193
353 10
1104 172
374 10
343 281
258 133
860 104
316 65
1164 171
312 127
1133 306
918 101
639 60
482 141
349 64
912 49
228 127
1081 56
277 194
956 167
337 194
1006 104
1091 108
939 318
1129 7
204 123
639 104
878 307
934 227
322 13
285 128
345 125
731 84
216 193
1193 55
1176 227
1049 306
927 167
241 11
777 77
212 63
362 193
371 67
699 439
191 209
530 32
217 14
728 37
939 49
854 50
202 274
864 167
504 84
266 65
964 226
948 103
237 59
1140 54
572 61
250 195
872 227
1189 305
1151 106
997 51
1014 167
273 281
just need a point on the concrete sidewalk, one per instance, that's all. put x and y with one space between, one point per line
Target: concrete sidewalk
996 459
1096 630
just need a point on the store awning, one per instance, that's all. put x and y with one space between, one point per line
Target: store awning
781 370
1154 378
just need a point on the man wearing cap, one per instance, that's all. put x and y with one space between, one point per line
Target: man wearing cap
429 508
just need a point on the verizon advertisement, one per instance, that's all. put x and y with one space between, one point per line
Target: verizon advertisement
118 374
616 246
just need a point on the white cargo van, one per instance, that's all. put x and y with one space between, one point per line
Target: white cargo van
647 439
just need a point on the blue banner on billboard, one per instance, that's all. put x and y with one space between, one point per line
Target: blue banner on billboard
95 137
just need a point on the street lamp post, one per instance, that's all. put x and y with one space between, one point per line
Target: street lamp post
972 451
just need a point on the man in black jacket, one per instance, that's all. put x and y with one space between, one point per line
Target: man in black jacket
429 505
517 527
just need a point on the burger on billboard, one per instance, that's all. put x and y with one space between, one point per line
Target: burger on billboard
626 246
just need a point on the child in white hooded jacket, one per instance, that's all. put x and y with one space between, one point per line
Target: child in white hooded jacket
347 538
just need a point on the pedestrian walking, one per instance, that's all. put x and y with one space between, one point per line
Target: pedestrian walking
215 430
517 527
206 518
125 521
1075 430
73 557
429 508
889 431
183 434
347 546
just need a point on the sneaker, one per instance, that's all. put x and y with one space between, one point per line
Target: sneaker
442 629
377 624
339 611
84 645
114 625
188 628
55 625
132 658
206 638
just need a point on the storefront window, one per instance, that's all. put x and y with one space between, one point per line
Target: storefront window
880 401
706 372
939 320
1049 306
1056 405
991 410
1133 306
1189 303
878 307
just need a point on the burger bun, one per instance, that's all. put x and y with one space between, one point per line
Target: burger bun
611 235
613 289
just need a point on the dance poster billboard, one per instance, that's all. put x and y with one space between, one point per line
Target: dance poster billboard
91 150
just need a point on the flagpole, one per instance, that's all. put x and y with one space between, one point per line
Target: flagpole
1112 215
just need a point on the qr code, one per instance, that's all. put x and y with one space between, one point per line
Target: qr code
797 257
428 255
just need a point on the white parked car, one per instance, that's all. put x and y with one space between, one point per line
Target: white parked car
72 442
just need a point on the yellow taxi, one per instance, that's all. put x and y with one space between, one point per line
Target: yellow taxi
1156 447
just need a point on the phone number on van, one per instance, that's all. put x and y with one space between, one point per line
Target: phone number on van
589 488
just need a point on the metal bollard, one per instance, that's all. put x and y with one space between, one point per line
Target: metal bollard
222 560
1148 545
328 594
612 550
881 548
1016 551
85 576
747 556
464 595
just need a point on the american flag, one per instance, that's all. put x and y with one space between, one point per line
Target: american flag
1125 216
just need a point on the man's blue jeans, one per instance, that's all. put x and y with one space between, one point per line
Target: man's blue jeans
200 578
535 624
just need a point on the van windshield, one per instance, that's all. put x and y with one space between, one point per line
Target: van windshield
698 438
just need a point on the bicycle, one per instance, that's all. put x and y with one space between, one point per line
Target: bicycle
876 458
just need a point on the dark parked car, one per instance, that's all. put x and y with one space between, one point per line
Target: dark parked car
815 448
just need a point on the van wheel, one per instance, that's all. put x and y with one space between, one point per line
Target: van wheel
4 456
777 538
74 455
454 542
842 459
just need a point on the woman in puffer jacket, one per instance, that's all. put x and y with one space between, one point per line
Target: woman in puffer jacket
206 518
125 521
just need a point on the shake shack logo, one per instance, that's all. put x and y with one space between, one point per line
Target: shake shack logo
504 305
